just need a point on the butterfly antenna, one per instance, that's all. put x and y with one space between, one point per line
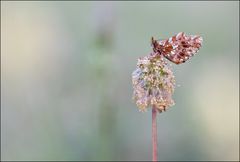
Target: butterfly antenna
152 39
153 43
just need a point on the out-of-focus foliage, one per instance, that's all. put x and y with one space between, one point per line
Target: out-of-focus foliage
66 90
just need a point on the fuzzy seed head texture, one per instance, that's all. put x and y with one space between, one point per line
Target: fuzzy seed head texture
153 83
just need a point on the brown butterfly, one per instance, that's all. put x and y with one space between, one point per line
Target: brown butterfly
178 48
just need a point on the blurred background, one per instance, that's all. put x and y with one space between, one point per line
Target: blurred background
66 89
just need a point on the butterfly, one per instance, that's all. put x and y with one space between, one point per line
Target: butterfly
179 48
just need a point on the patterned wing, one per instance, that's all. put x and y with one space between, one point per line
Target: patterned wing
180 47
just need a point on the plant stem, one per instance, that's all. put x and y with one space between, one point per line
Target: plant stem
154 134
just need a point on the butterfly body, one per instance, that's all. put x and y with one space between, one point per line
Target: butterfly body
179 48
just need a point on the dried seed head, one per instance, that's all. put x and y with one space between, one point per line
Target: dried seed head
153 83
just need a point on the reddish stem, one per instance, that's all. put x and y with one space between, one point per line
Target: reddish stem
154 134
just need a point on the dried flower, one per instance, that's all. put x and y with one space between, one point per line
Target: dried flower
153 83
153 80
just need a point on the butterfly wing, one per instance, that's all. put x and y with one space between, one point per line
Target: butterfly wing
180 47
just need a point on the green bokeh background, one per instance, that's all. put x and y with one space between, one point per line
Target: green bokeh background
66 91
